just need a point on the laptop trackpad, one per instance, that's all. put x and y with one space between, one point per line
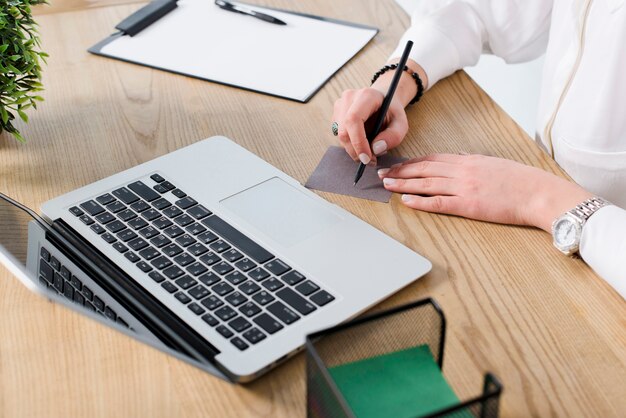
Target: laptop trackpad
281 211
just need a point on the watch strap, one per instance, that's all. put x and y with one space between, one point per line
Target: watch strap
587 208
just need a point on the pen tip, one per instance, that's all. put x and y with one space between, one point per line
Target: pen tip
354 184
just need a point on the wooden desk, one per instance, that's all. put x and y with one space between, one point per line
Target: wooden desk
552 330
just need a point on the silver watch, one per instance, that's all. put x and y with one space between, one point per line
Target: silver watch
567 228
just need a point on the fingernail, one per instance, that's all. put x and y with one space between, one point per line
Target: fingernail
379 147
364 158
396 165
387 181
383 171
406 198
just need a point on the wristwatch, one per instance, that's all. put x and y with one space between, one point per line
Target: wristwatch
567 228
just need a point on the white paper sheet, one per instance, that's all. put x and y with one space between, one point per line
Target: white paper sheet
202 40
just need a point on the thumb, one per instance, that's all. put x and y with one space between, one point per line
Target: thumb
392 135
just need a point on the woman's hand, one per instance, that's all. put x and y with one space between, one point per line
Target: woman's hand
484 188
353 109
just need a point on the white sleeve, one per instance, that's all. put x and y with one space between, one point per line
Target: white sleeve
448 35
603 246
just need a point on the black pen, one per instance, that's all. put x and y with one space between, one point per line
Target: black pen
226 5
382 112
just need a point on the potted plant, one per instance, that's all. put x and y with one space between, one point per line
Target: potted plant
20 57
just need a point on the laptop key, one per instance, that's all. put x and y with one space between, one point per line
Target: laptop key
160 241
239 343
172 250
169 286
115 226
87 293
46 271
222 288
186 282
209 278
263 298
296 301
172 211
222 268
210 258
277 267
161 203
137 244
236 277
226 333
195 228
56 264
168 186
179 193
249 288
254 335
196 269
143 191
149 253
105 217
75 210
210 319
207 237
126 235
137 223
161 262
269 324
86 220
97 228
232 255
125 195
184 220
173 231
173 272
322 297
182 297
91 207
131 256
279 310
99 303
239 324
119 247
199 212
199 292
292 278
258 274
126 215
157 178
143 266
140 206
110 313
212 302
185 240
156 276
116 206
239 240
160 188
108 238
78 298
186 202
45 254
58 282
245 264
225 313
184 259
162 222
105 199
249 309
272 284
197 249
236 299
149 232
195 308
65 273
150 214
307 288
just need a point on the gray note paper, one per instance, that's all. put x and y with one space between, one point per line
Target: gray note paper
335 174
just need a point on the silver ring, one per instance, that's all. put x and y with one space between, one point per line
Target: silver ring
335 128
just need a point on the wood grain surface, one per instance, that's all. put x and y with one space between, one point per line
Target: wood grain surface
553 331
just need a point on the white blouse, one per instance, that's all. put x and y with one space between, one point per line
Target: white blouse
582 109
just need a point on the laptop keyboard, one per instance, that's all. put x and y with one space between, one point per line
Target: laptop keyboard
235 285
60 279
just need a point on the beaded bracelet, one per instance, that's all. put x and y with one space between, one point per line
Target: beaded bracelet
416 77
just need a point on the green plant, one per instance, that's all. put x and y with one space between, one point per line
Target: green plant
20 70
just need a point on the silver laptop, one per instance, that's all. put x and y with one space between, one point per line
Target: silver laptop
208 253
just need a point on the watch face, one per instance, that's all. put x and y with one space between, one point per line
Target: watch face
566 234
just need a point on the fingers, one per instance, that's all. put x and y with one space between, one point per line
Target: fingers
366 103
341 106
445 158
429 186
419 169
393 134
451 205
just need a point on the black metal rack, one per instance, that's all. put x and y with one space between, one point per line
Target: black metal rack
407 326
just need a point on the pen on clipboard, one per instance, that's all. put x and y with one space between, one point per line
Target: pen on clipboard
228 6
380 116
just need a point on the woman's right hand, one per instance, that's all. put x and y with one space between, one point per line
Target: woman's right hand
354 108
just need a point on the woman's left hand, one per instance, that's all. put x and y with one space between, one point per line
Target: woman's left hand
484 188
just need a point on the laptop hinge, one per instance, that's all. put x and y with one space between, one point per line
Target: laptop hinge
153 314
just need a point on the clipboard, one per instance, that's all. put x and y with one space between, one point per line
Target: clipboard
197 38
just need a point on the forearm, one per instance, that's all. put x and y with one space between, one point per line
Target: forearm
407 88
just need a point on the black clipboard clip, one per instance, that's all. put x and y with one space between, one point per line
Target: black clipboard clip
146 16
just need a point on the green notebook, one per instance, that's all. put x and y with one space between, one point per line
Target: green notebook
402 384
